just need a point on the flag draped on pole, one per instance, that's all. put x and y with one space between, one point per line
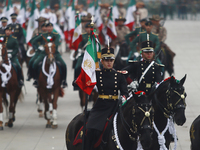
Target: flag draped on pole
129 15
9 10
22 13
111 30
91 8
87 78
77 36
115 11
32 24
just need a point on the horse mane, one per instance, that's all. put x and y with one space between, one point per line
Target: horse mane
163 86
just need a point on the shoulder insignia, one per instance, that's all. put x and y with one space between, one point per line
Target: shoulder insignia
161 65
131 61
122 72
84 33
98 69
14 37
142 32
137 27
55 33
154 33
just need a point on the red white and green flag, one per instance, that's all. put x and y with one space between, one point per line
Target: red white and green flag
115 11
77 36
97 17
22 13
8 10
32 23
129 15
91 8
111 30
87 78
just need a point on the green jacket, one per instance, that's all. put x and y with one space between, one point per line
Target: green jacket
35 42
143 37
84 41
136 31
12 45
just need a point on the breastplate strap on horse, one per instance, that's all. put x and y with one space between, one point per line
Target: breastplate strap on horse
5 76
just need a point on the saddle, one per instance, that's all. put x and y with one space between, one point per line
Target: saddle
103 137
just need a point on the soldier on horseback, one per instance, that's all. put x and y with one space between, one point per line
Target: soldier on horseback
18 33
146 72
109 82
12 49
4 21
36 65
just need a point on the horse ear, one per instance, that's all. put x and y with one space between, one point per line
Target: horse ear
183 80
44 39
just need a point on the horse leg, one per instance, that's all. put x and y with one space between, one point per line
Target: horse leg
55 99
82 96
40 106
47 112
1 112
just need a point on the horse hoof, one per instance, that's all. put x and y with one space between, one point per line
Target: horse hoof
6 124
41 115
1 128
54 126
48 126
13 119
10 125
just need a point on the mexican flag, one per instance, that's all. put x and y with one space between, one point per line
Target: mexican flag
77 36
87 78
42 8
97 17
115 11
22 13
8 10
91 8
32 24
129 15
111 30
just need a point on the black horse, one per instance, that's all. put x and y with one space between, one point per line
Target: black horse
169 100
133 121
195 134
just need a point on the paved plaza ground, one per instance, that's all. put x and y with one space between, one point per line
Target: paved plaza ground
29 132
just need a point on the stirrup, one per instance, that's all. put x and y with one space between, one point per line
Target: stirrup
21 83
35 83
64 84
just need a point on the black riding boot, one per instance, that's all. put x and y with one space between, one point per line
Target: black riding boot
29 74
36 77
63 78
91 138
20 76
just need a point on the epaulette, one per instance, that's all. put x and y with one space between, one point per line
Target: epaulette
131 61
137 27
97 69
123 71
84 33
161 65
142 32
55 33
154 33
14 37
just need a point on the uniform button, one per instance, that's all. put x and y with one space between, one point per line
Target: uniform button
100 77
115 85
100 72
142 68
153 72
115 81
141 64
153 77
101 84
101 90
152 81
100 80
143 78
143 81
114 90
115 74
147 90
153 68
115 77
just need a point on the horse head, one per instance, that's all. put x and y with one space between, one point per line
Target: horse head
3 52
50 48
141 114
171 99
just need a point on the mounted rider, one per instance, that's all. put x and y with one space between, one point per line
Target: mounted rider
4 22
36 65
38 30
145 72
18 33
145 36
109 82
12 49
136 31
30 72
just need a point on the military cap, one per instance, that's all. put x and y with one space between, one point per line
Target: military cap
107 53
148 23
147 46
4 19
87 25
49 24
144 19
9 27
13 15
120 19
43 25
40 19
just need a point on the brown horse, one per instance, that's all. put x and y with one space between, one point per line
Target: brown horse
9 87
50 93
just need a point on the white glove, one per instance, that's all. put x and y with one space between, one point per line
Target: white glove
136 54
41 47
123 98
133 85
9 56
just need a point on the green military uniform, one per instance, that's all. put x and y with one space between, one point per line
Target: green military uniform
142 37
136 31
43 54
12 49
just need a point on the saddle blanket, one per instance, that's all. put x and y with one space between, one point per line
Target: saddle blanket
79 135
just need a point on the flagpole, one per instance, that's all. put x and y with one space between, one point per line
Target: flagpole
86 100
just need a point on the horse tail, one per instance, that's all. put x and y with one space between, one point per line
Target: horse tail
61 92
21 96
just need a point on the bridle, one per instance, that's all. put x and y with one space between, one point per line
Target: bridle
133 130
172 107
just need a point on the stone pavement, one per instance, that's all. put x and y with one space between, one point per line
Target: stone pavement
29 132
